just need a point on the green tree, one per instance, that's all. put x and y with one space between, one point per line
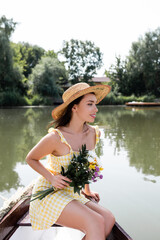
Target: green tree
46 77
10 76
82 58
27 56
143 64
7 26
51 53
139 74
119 78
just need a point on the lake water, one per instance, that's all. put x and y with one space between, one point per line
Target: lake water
129 151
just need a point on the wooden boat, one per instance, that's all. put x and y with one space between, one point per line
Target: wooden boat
18 216
143 104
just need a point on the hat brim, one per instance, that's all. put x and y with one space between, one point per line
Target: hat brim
100 92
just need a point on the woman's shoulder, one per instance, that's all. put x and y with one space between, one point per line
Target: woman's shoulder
52 134
94 129
90 128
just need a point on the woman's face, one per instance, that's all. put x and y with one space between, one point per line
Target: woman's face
86 110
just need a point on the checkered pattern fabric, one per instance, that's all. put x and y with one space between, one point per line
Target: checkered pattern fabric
45 212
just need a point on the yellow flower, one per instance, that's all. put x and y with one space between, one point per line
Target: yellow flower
92 166
95 160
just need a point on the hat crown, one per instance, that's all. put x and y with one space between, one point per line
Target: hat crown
73 90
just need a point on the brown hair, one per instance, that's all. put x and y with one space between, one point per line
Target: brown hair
66 117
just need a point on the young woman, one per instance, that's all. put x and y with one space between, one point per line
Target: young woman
64 207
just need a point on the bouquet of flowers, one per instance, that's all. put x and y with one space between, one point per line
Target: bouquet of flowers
83 169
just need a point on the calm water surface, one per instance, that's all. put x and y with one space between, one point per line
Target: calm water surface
129 150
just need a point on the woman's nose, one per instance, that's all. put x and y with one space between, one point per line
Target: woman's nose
96 108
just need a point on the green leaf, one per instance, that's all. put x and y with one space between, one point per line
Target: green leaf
62 171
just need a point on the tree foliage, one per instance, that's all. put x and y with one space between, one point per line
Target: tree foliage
7 26
10 76
82 58
51 53
47 77
27 56
140 72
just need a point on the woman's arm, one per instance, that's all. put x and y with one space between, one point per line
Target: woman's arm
44 147
87 189
90 193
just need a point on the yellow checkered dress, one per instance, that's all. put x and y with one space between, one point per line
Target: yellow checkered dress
44 213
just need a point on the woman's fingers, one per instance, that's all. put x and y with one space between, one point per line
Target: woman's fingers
93 195
61 181
66 179
60 186
97 198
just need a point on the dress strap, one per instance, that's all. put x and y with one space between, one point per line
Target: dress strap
97 133
63 140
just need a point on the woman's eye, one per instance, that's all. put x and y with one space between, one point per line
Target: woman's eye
90 104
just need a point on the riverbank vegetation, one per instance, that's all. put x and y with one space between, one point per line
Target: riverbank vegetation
30 75
139 72
112 99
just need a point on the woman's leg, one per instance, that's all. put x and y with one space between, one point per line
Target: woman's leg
107 215
79 216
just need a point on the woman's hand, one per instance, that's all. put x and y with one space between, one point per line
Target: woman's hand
59 181
92 194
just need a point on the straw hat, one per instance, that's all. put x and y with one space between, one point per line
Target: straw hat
76 91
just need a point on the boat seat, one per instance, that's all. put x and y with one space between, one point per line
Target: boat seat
25 221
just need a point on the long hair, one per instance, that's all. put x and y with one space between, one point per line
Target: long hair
66 117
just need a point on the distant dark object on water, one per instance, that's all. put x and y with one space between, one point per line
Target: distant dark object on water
143 104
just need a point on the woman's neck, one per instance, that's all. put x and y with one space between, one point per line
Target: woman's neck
76 128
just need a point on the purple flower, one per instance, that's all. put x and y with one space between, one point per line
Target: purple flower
94 180
96 174
101 176
97 169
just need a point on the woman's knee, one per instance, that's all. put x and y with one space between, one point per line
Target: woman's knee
108 217
96 221
99 220
110 221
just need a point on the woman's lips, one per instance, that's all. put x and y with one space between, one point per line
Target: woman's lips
93 115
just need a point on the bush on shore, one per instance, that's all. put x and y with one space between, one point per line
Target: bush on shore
112 99
12 98
15 99
39 100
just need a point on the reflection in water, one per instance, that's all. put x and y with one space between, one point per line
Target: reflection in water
138 132
149 180
99 148
20 130
135 137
